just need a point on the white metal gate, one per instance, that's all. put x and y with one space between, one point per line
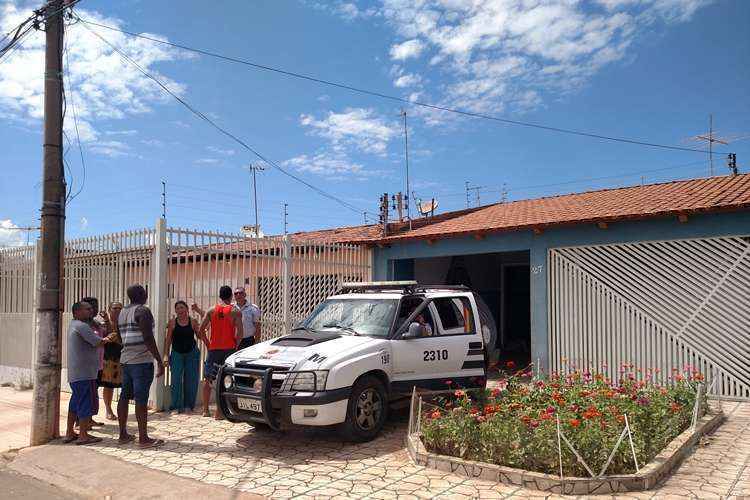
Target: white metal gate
659 305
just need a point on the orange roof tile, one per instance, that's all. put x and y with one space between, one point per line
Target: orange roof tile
608 205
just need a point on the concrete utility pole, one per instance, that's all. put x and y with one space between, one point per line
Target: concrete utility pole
45 416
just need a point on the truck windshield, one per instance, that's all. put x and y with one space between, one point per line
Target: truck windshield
363 316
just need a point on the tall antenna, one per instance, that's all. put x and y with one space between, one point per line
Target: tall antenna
710 138
476 190
254 169
406 153
164 200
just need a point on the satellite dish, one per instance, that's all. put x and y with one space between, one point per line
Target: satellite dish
428 207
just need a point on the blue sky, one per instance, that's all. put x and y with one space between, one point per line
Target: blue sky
649 70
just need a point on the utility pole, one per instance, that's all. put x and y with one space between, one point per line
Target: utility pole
45 413
255 168
286 213
163 200
406 152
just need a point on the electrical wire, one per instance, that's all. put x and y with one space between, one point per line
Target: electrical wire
78 136
401 100
239 141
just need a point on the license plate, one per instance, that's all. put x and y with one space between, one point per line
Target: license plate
250 405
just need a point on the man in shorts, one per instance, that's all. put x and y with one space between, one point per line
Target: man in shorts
250 318
139 351
226 334
83 365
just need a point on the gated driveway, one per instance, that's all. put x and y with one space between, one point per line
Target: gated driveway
319 464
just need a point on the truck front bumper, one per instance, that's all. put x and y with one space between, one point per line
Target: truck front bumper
277 408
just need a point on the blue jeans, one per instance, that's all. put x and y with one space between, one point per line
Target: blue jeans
136 382
184 367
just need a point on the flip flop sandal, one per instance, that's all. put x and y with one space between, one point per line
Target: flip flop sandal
90 440
69 439
153 444
127 440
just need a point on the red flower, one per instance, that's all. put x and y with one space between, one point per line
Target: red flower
620 418
459 393
435 414
533 424
495 392
575 422
448 382
675 407
510 365
474 410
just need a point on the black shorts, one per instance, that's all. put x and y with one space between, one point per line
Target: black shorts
246 342
214 361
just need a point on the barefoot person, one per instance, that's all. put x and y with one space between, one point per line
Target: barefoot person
102 330
112 372
226 334
184 360
83 365
139 351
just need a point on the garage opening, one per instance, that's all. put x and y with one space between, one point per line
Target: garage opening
503 281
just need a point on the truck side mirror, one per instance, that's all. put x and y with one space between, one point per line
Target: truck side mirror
414 331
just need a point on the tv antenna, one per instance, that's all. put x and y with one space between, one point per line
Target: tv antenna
711 137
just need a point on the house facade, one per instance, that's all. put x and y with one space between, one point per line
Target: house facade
655 275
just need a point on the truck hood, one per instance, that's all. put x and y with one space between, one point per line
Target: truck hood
302 350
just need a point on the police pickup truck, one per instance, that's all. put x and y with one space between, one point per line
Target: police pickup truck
360 349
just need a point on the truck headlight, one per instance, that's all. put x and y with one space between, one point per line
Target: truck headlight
227 381
306 381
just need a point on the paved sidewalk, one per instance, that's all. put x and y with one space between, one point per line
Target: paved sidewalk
321 465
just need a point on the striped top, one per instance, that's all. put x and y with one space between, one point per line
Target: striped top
134 350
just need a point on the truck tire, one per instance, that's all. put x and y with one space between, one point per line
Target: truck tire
367 410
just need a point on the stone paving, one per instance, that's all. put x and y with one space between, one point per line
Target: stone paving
318 464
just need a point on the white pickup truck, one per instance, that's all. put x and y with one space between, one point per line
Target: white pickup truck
360 349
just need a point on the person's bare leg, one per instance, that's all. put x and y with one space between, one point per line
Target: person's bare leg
122 418
84 424
107 394
70 434
141 414
206 396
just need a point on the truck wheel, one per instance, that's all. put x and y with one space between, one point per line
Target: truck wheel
367 410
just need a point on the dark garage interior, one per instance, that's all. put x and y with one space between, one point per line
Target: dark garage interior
503 281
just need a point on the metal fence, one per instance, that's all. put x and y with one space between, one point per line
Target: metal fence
660 305
285 276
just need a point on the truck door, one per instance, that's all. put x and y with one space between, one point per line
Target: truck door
449 350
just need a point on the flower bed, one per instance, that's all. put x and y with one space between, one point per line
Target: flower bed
515 425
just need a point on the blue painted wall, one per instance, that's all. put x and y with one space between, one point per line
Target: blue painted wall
698 226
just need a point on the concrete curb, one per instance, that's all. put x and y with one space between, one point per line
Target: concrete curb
650 475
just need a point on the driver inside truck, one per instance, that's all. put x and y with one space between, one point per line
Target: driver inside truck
425 326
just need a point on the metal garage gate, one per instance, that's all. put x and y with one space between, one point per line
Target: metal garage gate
661 304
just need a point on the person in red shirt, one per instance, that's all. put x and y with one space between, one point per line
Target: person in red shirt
225 321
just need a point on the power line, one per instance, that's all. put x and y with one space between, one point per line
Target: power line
208 120
397 98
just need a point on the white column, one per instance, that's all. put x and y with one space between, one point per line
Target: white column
159 300
286 284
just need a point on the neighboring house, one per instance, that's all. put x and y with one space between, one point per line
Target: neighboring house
657 275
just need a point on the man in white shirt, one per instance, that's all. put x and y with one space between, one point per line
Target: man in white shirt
250 318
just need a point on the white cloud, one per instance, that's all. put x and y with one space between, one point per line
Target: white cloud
207 161
84 223
153 142
407 50
512 55
407 80
358 128
121 132
113 149
10 237
219 151
100 85
324 164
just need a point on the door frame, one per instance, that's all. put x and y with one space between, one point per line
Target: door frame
503 267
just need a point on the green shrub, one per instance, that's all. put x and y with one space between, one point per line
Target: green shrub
515 425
